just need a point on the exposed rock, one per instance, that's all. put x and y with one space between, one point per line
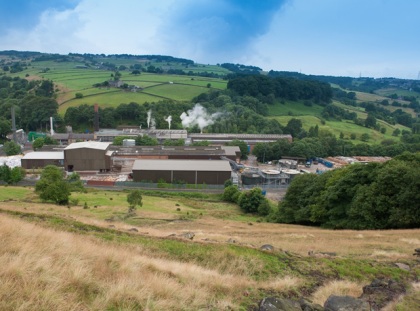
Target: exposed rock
187 235
231 241
306 305
382 291
402 266
279 304
172 235
133 230
417 252
345 303
267 247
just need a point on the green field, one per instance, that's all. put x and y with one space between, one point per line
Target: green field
294 109
311 116
70 80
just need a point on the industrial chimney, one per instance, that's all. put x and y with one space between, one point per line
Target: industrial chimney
51 126
96 121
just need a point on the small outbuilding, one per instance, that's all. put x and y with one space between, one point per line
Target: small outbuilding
211 172
87 156
39 159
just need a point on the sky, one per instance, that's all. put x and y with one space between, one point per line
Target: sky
368 38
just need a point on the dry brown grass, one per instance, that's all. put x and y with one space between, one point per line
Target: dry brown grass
373 244
339 288
42 269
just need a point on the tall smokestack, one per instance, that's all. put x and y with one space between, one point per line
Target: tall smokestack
96 121
14 124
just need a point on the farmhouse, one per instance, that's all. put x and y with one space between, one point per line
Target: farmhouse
193 172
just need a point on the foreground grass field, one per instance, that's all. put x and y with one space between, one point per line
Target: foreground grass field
58 258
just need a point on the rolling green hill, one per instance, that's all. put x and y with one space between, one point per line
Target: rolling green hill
87 79
70 78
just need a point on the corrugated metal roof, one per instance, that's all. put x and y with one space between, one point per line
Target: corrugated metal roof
231 150
237 136
181 165
39 155
88 144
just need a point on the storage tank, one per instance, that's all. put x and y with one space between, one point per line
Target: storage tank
129 142
251 179
291 173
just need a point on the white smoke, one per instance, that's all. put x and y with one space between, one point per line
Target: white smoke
198 116
169 120
149 117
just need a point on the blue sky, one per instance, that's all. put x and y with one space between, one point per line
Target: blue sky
374 38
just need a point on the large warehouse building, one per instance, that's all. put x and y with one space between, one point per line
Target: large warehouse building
211 172
42 159
87 156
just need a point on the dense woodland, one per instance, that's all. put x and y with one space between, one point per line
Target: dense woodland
359 196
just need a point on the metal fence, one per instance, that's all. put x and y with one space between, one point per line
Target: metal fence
168 186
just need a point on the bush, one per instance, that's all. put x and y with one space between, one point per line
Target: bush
11 148
250 201
231 194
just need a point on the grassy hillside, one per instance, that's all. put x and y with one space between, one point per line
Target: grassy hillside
70 80
311 116
60 258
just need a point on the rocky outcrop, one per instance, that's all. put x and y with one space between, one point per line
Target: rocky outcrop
382 291
345 303
279 304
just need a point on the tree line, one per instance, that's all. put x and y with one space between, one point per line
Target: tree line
358 196
280 87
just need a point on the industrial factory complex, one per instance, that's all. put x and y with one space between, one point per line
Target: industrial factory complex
210 165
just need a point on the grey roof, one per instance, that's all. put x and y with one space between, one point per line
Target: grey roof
88 144
39 155
237 136
181 165
231 150
169 150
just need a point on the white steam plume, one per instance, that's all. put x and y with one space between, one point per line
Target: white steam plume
198 116
149 116
169 120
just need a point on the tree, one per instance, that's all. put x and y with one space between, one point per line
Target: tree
134 199
5 173
4 127
146 140
364 137
370 121
38 143
118 140
294 127
396 132
16 174
79 95
52 186
231 194
251 200
11 148
75 184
